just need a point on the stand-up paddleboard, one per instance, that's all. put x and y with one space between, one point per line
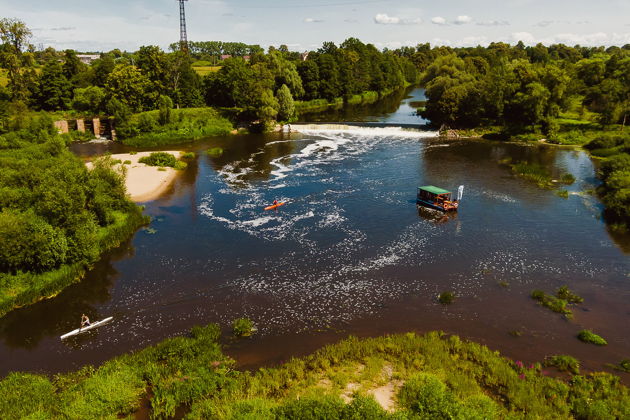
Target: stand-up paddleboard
275 206
87 328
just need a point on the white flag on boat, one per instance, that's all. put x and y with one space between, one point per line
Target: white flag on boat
460 192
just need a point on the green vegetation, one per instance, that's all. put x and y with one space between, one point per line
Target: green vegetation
159 159
144 129
623 366
188 155
243 327
562 193
564 363
590 337
559 302
430 376
533 172
215 151
56 217
446 298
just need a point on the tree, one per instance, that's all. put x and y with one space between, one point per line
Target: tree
128 85
165 104
286 106
54 89
89 100
15 35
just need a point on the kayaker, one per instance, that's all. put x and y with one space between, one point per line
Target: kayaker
275 202
85 321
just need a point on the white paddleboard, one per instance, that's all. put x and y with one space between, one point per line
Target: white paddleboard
87 328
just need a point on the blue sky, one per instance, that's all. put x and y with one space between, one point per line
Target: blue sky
304 24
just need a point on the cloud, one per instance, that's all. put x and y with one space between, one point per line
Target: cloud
526 37
351 20
545 23
494 23
462 20
385 19
473 41
438 20
312 20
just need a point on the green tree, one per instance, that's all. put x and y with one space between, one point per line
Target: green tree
286 106
54 88
21 74
165 104
89 100
128 85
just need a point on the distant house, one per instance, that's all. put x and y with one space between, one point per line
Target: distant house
246 57
88 58
225 56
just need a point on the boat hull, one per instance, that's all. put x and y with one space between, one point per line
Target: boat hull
435 206
88 328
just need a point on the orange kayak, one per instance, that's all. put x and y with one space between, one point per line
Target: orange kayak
275 206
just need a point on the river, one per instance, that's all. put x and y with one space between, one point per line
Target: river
350 253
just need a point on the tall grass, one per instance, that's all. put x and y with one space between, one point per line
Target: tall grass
186 125
431 376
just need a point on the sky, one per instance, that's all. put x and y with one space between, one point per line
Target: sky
302 25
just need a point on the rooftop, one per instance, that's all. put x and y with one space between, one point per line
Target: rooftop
434 190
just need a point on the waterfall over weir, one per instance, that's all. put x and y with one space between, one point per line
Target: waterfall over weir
364 129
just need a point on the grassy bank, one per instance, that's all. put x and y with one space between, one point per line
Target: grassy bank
23 288
430 376
184 125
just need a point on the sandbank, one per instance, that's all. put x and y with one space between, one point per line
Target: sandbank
144 182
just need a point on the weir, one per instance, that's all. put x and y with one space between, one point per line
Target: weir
365 128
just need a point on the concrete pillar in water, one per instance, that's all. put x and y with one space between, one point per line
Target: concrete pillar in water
96 124
81 126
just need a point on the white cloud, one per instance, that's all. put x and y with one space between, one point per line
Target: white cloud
385 19
462 20
438 20
526 37
494 23
312 20
473 41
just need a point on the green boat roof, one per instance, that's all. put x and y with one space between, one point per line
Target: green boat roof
434 190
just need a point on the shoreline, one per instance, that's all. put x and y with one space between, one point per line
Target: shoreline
143 182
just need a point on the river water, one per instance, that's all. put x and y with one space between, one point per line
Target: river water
350 253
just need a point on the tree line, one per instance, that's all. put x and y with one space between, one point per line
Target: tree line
263 87
522 88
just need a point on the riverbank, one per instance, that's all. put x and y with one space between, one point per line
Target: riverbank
320 105
143 182
432 375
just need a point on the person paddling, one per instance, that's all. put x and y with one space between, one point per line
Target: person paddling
275 202
85 321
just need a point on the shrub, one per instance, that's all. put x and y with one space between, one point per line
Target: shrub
567 179
446 298
562 193
565 294
590 337
426 395
215 151
564 363
159 159
552 302
127 162
188 155
243 327
179 165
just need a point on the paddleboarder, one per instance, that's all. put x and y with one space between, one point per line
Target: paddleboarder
85 321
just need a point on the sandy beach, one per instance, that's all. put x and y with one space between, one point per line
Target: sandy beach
145 183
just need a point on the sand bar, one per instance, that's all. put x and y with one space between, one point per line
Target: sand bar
145 183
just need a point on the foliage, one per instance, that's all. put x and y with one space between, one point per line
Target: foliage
565 294
590 337
554 303
533 172
89 100
143 130
434 376
286 106
564 363
159 159
446 298
242 327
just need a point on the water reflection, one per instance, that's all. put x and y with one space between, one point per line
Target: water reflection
26 327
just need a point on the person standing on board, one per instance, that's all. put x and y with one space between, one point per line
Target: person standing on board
85 321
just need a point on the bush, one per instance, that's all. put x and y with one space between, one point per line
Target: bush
159 159
564 363
567 179
552 302
215 152
243 327
188 155
605 142
446 298
179 165
426 395
565 294
590 337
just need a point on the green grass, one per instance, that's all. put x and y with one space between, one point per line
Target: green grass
592 338
559 302
205 70
187 124
564 363
533 172
431 376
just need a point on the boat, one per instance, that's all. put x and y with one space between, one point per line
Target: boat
438 198
87 328
275 206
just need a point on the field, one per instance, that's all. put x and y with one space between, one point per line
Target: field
204 70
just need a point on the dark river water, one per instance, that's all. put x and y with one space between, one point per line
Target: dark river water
350 253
